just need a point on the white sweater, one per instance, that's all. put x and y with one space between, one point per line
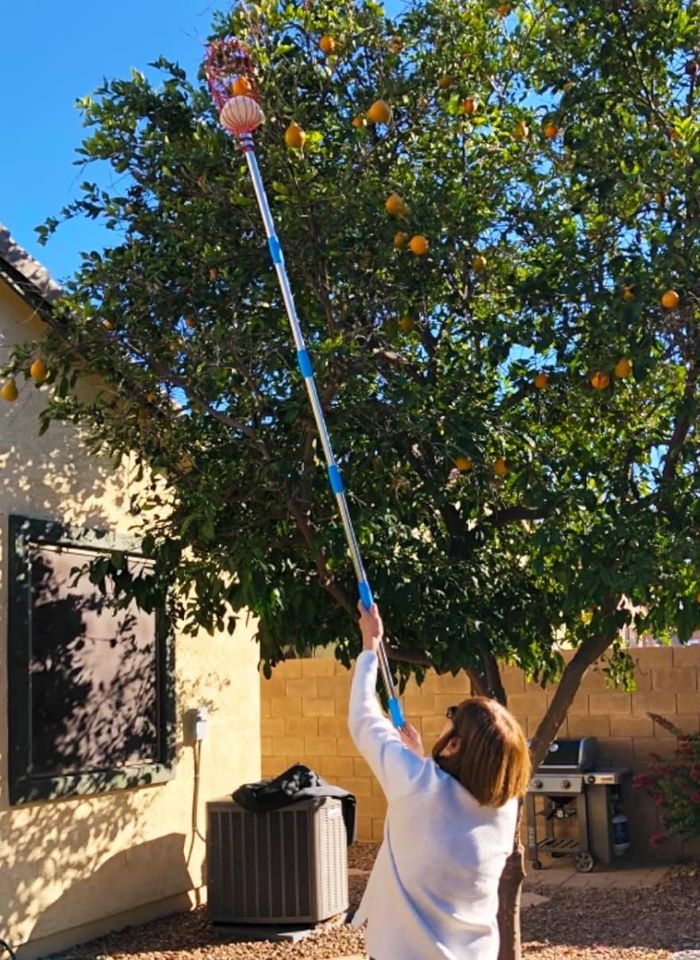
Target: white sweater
433 892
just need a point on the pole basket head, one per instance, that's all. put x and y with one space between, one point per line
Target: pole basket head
233 89
229 71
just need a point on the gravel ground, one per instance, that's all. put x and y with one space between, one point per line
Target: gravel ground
617 924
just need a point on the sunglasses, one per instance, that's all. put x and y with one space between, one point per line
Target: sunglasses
451 713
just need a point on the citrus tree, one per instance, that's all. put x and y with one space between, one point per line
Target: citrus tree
490 217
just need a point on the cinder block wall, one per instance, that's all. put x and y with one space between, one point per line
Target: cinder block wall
304 709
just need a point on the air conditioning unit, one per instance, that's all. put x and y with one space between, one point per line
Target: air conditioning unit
285 866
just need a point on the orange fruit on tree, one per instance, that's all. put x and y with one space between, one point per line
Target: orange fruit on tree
470 105
395 204
379 112
241 87
445 82
670 300
623 368
213 274
541 381
406 324
359 122
550 130
628 294
294 136
396 44
463 464
38 371
500 467
107 324
503 9
423 103
521 131
9 391
327 44
418 245
600 380
479 263
400 239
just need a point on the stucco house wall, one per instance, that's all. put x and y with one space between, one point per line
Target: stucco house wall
74 868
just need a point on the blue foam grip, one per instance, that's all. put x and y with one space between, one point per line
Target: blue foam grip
396 713
365 594
336 480
304 361
275 249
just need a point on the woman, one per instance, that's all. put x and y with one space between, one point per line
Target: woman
450 825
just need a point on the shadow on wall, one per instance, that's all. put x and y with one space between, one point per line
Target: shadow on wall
162 859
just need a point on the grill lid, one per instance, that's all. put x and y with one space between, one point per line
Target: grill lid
578 754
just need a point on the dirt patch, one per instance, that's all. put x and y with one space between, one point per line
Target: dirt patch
588 924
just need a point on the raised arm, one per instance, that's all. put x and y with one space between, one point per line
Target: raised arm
396 759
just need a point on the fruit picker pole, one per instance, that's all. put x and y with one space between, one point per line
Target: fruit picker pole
240 114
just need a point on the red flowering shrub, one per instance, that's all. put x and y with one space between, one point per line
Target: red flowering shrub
674 785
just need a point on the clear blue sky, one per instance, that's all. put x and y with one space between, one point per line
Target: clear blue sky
51 53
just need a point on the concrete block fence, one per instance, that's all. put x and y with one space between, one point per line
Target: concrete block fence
304 709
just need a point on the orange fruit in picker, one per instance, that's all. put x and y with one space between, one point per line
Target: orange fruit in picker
38 371
550 130
670 300
418 245
541 381
470 105
623 368
379 112
395 204
479 263
600 380
9 391
327 45
500 467
463 464
241 87
406 324
396 44
400 240
628 294
294 136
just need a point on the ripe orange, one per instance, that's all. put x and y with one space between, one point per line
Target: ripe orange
503 9
394 204
418 245
445 82
521 131
400 240
463 464
294 136
359 122
327 44
500 467
396 44
670 300
9 390
38 371
241 87
479 263
379 112
600 380
628 294
107 324
550 130
541 381
406 324
623 368
470 105
423 103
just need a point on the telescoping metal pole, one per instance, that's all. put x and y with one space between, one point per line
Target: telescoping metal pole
305 366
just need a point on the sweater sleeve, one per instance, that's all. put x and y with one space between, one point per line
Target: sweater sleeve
396 767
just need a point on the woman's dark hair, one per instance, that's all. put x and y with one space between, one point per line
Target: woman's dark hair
492 760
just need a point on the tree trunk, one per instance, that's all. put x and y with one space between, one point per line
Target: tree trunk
509 891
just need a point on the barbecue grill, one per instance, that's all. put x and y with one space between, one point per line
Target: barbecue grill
575 794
